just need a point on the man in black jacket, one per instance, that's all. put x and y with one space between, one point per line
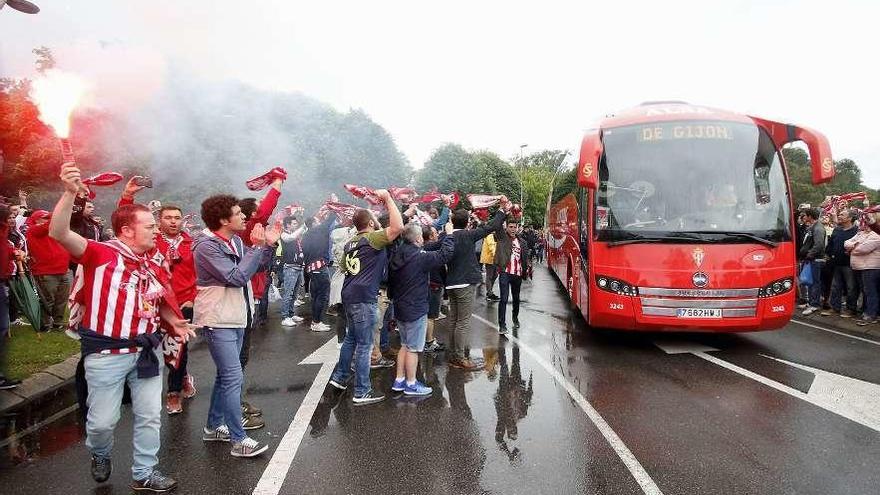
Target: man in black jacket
512 264
813 252
316 258
463 274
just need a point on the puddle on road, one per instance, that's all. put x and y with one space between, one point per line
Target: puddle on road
30 435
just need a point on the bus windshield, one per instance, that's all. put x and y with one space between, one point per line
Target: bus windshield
714 181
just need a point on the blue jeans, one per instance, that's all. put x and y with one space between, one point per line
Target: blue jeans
320 292
292 279
225 346
385 331
816 289
871 286
358 344
106 375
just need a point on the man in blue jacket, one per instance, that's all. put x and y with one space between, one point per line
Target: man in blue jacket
224 306
409 277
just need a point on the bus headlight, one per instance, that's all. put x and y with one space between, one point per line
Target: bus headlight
776 287
616 286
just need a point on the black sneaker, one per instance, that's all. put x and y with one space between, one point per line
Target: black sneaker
515 323
6 383
492 297
502 330
337 385
101 468
156 482
382 362
371 397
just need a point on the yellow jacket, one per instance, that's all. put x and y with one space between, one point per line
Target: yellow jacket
487 255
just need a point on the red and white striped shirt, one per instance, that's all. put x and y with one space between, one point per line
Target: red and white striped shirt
514 266
109 291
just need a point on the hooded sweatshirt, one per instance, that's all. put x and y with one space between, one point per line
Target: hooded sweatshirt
409 277
224 295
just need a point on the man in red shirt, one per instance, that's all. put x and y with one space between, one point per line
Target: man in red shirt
49 265
174 252
123 296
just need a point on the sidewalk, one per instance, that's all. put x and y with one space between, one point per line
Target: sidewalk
838 323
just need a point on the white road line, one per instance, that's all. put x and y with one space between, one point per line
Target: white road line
817 327
830 401
276 472
629 460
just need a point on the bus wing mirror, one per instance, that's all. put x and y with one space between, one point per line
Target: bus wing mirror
821 163
588 164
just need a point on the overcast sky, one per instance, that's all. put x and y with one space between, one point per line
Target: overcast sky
489 74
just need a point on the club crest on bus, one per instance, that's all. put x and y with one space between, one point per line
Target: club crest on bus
698 255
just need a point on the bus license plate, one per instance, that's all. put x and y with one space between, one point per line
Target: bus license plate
698 313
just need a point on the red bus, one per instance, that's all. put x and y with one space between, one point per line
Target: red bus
682 220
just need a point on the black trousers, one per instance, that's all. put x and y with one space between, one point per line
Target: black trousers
508 284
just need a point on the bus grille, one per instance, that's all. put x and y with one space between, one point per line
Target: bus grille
733 303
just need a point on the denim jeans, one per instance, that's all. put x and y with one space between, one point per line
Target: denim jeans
358 343
292 279
816 289
843 281
225 345
320 292
106 375
871 286
508 283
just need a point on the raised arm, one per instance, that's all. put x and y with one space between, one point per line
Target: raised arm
395 220
59 226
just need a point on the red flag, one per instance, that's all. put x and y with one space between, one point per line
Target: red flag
104 179
405 195
480 201
265 180
428 197
364 193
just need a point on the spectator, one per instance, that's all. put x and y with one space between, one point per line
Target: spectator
436 284
512 262
49 265
7 260
224 307
813 252
487 258
409 277
82 221
843 280
365 260
463 273
119 325
864 251
316 254
292 261
339 237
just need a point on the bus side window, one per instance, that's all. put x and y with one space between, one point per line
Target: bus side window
583 222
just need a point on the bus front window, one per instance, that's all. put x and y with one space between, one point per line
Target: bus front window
699 177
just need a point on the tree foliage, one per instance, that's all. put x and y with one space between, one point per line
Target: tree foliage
847 179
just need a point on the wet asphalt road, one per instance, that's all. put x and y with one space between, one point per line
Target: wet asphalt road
559 409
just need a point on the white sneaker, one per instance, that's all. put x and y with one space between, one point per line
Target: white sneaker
320 327
440 316
810 310
298 303
296 319
287 322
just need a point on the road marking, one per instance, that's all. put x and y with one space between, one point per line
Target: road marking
817 327
629 460
847 397
276 472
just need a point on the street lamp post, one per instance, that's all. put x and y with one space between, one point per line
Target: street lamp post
522 148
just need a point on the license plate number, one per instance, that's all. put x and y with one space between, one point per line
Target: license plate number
698 313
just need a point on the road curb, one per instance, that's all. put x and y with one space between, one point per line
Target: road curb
39 396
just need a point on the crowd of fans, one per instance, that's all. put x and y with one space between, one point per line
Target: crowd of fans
135 292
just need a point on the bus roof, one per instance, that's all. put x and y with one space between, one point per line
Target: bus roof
665 111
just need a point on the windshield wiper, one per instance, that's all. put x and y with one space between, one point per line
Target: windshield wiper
753 237
640 239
